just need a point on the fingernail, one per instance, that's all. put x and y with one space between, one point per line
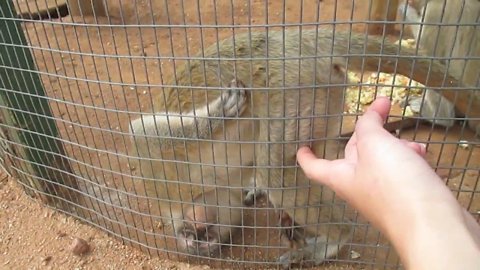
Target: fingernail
423 148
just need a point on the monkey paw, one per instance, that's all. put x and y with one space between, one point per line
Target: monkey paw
201 241
314 252
433 108
292 235
252 195
234 99
296 257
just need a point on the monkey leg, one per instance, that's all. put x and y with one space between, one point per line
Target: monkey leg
317 228
315 251
292 235
210 222
314 244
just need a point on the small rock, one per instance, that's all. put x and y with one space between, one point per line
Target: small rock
61 234
160 224
46 260
79 246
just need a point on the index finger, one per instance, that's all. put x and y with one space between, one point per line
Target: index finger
313 167
373 119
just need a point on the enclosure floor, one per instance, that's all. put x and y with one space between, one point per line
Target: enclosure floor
29 232
35 237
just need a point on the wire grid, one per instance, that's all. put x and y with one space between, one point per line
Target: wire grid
102 73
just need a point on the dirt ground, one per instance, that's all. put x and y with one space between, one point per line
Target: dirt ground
33 236
92 112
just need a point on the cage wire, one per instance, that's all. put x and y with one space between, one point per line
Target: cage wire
76 73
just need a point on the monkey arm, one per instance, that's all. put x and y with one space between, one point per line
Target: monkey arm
201 123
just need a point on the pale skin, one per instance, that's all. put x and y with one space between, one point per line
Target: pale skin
400 195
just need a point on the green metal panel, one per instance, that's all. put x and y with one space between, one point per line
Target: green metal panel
36 155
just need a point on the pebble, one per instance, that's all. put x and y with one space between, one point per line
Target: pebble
46 260
79 246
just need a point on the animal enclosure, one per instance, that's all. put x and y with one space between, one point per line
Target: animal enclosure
173 125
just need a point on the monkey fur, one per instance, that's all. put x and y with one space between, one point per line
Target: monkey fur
459 38
293 96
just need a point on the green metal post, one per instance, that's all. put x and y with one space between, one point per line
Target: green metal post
36 155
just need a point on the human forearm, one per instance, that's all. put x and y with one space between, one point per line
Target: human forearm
441 237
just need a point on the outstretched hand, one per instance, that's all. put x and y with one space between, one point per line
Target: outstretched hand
390 183
372 155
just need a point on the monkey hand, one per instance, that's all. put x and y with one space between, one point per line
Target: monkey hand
292 235
252 196
434 108
233 100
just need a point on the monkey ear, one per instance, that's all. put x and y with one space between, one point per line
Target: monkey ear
235 83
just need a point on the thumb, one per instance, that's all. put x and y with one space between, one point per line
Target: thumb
371 123
381 106
314 168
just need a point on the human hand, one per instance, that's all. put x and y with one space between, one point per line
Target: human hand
376 165
390 183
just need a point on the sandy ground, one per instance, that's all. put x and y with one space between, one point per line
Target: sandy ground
36 237
33 236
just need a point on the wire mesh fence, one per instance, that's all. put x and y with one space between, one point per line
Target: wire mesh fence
173 125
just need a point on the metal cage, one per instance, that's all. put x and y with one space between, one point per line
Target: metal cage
76 74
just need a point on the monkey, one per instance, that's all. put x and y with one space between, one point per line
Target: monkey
294 84
382 10
449 28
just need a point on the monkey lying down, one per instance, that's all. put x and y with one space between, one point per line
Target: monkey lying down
448 29
201 149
